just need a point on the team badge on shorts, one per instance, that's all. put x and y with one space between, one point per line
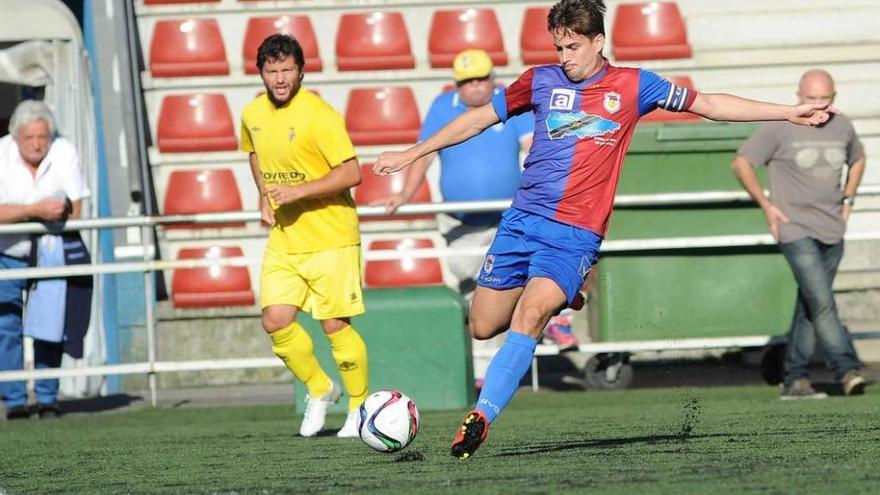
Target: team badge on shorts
489 263
611 102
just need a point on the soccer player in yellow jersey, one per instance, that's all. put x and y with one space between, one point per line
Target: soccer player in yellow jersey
304 164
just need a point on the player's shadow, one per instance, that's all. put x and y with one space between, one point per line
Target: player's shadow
668 439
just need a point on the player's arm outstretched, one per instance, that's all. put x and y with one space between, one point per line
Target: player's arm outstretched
341 178
720 106
462 128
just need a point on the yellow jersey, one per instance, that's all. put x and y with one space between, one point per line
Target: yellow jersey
298 143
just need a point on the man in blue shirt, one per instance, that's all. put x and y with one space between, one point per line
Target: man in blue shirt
484 168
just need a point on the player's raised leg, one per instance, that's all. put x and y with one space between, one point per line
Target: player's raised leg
491 311
541 299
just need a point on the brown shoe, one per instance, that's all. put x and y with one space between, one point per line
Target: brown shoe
853 382
801 389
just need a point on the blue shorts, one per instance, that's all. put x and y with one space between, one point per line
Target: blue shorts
528 245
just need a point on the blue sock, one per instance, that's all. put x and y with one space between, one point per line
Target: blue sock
505 372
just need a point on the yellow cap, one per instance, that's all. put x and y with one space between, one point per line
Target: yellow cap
472 63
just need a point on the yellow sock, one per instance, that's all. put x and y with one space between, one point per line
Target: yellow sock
294 346
350 355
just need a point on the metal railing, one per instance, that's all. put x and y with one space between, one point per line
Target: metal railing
148 266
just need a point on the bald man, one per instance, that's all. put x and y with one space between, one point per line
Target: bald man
807 212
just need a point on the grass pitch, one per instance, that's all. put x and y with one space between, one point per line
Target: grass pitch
684 440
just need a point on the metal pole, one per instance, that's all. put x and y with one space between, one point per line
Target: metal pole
149 315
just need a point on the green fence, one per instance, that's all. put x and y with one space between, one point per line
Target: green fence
417 342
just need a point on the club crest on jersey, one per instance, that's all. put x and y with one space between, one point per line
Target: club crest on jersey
562 99
611 102
489 263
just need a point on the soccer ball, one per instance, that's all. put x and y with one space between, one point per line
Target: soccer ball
389 421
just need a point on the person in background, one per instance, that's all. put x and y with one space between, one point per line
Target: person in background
486 167
42 181
304 164
807 213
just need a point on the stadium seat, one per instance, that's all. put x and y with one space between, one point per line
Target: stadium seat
298 26
387 115
373 41
650 30
195 123
188 47
404 272
535 43
201 191
213 286
455 30
374 187
660 115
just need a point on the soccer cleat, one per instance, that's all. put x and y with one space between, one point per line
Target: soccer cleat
316 411
853 383
801 389
350 428
473 431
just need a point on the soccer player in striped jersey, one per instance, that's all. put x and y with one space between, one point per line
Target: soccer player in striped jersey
585 112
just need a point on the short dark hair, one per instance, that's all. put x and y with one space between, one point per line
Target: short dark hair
279 46
584 17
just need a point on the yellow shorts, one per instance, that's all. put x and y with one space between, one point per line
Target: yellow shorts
326 283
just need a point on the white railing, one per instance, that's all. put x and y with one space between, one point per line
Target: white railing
148 266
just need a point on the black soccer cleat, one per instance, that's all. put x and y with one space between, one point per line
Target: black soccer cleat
473 431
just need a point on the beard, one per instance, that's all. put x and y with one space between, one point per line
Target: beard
280 103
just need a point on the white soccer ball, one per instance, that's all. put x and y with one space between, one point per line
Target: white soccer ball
389 421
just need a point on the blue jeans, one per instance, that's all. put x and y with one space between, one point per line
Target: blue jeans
815 316
11 354
46 354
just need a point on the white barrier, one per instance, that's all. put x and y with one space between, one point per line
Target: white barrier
152 367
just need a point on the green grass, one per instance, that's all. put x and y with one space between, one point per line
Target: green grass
713 440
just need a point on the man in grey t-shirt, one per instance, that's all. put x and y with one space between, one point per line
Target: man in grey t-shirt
807 213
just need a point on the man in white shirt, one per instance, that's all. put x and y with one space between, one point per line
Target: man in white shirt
42 181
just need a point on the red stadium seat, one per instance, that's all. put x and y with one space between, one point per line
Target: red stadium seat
651 30
201 191
373 41
535 42
214 286
298 26
660 115
373 187
455 30
404 272
187 47
386 115
195 123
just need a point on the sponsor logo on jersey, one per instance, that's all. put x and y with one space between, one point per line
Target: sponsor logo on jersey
579 124
283 177
611 102
562 99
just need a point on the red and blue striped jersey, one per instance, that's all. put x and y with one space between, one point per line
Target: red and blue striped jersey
582 132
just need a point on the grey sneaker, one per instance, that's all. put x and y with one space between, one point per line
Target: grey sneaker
801 389
853 382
